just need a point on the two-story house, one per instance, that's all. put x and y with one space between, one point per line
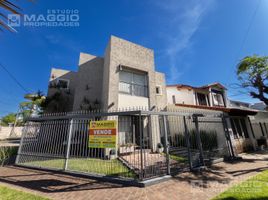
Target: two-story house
213 97
123 78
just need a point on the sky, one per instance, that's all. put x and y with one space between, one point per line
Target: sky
195 42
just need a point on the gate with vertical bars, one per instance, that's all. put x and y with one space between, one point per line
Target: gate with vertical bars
149 144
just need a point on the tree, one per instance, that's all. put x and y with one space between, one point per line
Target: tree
33 105
7 7
8 119
252 72
58 102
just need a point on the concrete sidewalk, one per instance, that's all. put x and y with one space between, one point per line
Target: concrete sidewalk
186 186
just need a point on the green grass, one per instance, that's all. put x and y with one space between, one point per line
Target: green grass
176 158
89 165
255 188
11 194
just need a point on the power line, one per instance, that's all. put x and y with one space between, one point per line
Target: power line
14 78
5 103
248 30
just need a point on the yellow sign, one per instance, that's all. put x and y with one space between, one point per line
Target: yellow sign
102 134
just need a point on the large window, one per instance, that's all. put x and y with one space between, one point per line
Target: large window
244 128
133 83
234 129
239 128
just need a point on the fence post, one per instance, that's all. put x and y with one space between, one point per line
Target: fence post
199 142
141 146
228 137
21 143
166 144
68 145
187 138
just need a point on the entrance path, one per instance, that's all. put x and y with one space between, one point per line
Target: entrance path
186 186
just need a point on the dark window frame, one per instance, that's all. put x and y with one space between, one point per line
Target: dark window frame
143 90
202 99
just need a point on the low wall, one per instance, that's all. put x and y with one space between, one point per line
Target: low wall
6 131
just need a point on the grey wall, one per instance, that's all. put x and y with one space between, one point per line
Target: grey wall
161 100
122 52
89 79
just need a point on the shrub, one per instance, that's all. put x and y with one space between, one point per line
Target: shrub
208 139
6 153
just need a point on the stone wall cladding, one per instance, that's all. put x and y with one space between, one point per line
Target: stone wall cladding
89 79
133 56
106 74
161 100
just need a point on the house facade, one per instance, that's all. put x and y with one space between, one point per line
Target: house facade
124 77
212 95
213 98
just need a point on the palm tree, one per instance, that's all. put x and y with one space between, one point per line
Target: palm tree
7 7
34 103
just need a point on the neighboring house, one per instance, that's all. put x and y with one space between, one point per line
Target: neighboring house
124 78
259 106
260 121
213 97
238 104
209 95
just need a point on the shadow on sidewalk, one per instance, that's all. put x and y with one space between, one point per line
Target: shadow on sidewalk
53 182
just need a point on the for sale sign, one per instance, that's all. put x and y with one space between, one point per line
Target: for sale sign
102 134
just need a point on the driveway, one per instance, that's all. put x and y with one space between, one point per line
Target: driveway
198 185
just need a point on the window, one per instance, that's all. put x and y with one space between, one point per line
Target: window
158 90
201 99
265 126
133 83
217 98
234 129
173 99
244 128
239 127
262 129
63 83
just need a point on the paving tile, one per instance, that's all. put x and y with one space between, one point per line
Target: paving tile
186 186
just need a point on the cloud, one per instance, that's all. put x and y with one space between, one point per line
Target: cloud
183 19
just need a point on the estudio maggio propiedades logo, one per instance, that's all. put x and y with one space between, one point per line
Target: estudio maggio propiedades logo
53 18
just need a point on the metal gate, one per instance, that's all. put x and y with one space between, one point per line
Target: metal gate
193 141
148 144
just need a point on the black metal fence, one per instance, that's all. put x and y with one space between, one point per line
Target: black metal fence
148 144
